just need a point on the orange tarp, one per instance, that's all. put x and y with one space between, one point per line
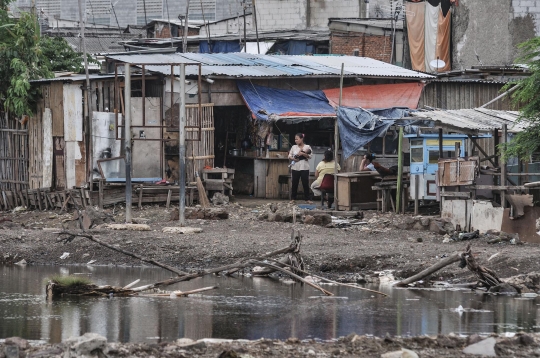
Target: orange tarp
378 96
416 29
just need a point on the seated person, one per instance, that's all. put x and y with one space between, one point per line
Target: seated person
327 166
368 164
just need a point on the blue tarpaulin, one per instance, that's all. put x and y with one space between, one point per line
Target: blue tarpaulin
265 101
358 127
219 47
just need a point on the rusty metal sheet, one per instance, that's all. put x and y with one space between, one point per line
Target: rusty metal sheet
525 226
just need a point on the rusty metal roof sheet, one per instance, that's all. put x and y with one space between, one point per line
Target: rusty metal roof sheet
252 65
476 119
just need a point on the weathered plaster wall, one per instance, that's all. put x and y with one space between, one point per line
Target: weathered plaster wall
488 32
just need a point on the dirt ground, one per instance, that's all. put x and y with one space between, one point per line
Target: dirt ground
347 254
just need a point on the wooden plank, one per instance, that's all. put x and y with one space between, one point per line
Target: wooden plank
57 108
47 148
73 112
72 154
495 187
456 194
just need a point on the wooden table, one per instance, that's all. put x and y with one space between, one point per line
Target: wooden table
384 195
156 190
354 189
218 179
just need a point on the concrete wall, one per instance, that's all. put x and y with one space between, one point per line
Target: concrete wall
488 32
229 26
279 14
272 14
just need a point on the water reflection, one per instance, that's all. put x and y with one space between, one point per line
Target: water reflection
248 308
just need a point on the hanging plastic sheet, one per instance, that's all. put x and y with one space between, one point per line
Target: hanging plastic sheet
358 127
271 103
378 96
219 47
415 16
431 29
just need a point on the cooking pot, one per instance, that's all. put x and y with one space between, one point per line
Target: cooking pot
235 152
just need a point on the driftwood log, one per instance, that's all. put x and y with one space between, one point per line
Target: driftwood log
486 277
430 270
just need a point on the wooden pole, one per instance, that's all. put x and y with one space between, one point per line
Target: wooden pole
182 146
256 27
87 96
336 140
416 193
127 139
503 167
186 30
400 171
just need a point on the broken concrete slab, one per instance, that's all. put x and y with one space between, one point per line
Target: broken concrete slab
86 345
133 227
182 230
485 347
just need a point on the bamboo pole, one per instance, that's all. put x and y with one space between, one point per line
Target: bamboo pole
336 141
400 171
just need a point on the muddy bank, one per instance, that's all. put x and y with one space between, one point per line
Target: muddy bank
93 345
381 242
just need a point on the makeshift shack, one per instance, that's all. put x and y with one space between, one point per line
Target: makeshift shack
476 190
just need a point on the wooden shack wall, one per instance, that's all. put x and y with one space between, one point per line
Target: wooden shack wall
463 95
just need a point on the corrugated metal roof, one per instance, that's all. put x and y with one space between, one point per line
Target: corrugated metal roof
381 23
74 78
252 65
477 119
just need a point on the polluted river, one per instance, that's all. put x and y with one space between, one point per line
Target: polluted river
246 308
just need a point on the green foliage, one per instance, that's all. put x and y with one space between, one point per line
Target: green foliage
69 281
527 95
24 57
61 56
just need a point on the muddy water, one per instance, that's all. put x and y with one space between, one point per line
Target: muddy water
248 308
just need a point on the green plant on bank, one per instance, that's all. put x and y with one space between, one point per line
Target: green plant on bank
528 96
24 57
70 281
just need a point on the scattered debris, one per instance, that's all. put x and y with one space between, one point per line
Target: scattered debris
64 256
202 213
220 199
21 263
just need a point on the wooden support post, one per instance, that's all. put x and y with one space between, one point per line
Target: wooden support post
503 168
100 194
416 193
440 143
400 171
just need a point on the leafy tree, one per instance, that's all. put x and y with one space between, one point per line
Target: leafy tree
24 57
528 96
61 56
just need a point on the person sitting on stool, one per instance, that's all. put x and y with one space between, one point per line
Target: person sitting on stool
326 166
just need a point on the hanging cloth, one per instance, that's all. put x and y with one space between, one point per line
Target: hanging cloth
415 16
431 30
443 40
445 7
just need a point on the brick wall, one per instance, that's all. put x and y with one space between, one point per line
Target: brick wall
377 47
